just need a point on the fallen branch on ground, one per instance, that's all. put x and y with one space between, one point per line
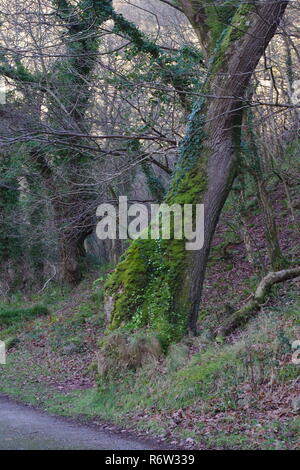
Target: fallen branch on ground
241 316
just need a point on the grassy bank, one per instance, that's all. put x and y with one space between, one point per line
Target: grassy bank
206 393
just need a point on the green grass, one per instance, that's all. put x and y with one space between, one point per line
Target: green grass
209 381
10 316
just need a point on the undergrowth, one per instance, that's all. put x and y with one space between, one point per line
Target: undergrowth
200 377
11 315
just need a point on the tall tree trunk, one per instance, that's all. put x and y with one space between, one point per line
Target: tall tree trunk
71 252
10 237
276 258
159 283
74 223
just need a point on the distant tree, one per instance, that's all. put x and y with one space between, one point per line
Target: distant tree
70 94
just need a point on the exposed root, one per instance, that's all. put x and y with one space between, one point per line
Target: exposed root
241 316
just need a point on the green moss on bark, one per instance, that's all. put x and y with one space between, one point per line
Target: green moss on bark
149 286
218 18
235 31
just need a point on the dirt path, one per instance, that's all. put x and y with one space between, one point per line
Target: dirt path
24 428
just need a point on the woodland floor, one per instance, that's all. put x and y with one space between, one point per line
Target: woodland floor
237 393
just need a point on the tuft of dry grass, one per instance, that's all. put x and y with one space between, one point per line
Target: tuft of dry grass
122 349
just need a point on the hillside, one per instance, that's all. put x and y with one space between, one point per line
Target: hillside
239 392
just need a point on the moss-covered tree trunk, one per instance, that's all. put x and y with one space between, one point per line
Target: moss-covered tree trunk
159 283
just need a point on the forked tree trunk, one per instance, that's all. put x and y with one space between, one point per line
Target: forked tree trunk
159 283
